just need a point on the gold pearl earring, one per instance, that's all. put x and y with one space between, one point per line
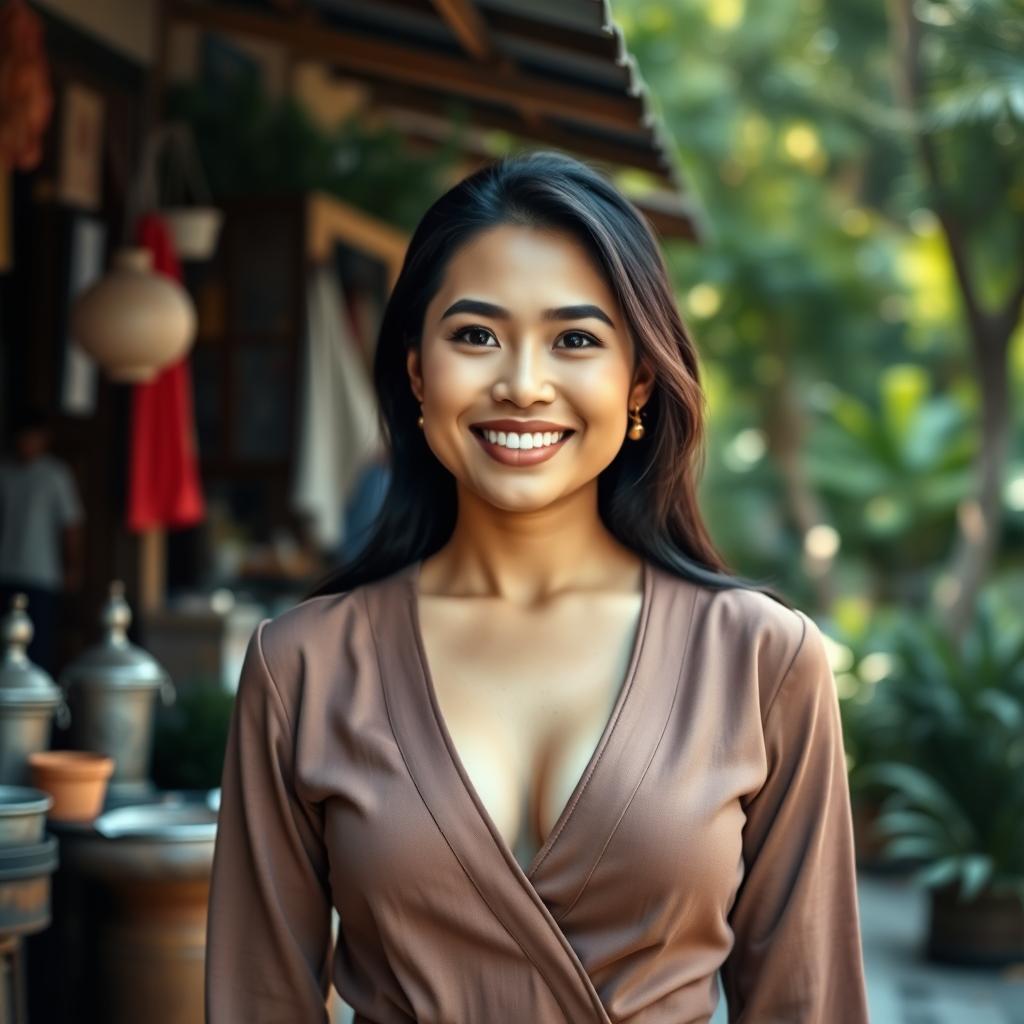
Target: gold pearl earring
636 430
419 419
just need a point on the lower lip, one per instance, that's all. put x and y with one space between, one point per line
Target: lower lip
519 456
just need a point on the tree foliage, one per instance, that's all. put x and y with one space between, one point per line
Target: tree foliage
844 268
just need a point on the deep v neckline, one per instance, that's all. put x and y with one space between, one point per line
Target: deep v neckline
608 733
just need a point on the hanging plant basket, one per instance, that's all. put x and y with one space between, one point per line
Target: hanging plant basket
181 196
195 230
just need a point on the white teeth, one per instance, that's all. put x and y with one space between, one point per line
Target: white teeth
524 441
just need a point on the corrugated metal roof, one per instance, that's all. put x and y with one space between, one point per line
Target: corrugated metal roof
556 72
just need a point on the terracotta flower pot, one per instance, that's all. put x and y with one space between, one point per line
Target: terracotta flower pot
76 779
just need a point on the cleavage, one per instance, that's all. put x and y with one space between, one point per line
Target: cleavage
526 717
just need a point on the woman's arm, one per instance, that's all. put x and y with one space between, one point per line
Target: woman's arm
796 958
268 948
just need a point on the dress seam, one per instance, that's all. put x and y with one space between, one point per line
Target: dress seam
647 768
634 667
458 859
786 673
273 684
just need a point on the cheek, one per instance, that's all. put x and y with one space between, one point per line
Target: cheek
454 383
600 394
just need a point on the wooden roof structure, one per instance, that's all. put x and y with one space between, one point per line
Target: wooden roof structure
555 72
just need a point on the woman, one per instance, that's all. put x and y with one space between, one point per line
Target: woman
546 758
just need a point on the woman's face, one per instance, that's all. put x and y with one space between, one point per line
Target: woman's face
525 328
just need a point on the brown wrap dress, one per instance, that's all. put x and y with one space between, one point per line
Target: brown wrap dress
710 832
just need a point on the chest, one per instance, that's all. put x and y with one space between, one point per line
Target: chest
526 697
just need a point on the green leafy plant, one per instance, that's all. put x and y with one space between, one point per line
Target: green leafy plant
899 465
955 784
251 144
190 737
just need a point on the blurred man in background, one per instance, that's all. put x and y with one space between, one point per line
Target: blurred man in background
41 549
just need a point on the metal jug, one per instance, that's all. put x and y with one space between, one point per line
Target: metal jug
111 690
29 699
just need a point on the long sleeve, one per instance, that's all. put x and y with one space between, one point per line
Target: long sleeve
269 927
796 957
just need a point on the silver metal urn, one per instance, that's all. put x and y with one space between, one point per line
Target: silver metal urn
29 698
111 690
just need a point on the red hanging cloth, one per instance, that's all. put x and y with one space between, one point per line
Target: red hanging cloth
164 488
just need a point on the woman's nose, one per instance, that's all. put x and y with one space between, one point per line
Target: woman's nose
524 377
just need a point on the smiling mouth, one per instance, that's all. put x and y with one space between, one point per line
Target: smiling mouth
482 432
520 456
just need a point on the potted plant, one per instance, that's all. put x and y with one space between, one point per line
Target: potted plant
954 785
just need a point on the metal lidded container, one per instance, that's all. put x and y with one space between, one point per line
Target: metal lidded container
111 689
29 698
23 811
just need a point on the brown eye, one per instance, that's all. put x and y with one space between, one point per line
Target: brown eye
586 339
465 332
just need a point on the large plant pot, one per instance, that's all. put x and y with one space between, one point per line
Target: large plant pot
152 949
152 865
985 932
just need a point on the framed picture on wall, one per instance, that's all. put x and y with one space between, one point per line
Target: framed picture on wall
80 159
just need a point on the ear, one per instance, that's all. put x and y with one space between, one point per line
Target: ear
642 387
412 365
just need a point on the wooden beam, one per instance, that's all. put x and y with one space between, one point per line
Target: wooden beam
640 156
359 55
669 213
329 219
464 19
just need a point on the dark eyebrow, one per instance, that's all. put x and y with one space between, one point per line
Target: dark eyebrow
581 312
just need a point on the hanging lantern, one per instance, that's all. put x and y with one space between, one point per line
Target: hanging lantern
133 321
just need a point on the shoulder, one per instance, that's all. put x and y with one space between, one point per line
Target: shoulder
760 638
791 649
324 640
745 618
310 631
51 468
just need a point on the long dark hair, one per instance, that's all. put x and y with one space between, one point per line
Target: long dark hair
647 494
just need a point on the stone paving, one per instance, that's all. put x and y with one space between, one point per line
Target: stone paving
903 988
